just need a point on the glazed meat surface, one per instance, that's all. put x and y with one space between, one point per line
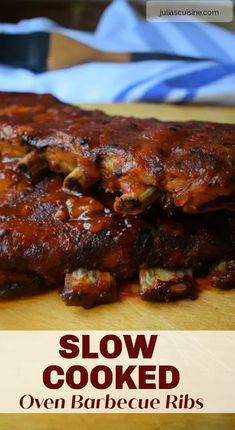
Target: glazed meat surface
46 235
44 231
73 188
186 166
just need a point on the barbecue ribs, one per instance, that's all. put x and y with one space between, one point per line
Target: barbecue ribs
63 220
188 166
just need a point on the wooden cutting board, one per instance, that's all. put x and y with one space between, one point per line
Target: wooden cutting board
214 310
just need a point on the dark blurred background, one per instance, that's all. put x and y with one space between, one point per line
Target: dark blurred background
76 14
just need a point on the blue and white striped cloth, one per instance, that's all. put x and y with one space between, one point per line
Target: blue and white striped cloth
121 29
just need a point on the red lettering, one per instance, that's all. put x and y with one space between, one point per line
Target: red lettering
70 377
110 403
199 403
154 403
70 349
77 401
121 403
86 347
108 377
23 399
47 377
117 343
144 377
124 377
140 345
175 377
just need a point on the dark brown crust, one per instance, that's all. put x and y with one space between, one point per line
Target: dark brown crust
16 285
46 234
166 291
89 291
191 165
223 276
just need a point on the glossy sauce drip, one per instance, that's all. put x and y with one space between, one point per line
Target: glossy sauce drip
43 201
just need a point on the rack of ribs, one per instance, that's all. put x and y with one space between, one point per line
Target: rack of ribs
187 166
73 188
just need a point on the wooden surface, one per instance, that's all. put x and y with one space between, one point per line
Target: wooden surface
118 422
169 112
214 310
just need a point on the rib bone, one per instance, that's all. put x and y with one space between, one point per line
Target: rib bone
134 202
88 288
223 275
32 165
81 178
73 181
59 160
163 285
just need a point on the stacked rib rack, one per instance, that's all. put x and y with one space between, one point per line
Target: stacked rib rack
88 200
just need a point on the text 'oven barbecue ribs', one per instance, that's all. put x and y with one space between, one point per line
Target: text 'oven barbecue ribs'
73 188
